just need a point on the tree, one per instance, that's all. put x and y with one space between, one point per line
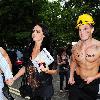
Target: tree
18 16
15 17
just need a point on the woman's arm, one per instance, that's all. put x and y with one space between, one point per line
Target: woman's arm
47 70
52 71
20 73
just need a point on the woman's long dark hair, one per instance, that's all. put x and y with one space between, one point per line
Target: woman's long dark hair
45 43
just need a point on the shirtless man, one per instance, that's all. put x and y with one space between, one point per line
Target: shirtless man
85 62
5 68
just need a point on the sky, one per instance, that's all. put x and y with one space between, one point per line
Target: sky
56 0
52 0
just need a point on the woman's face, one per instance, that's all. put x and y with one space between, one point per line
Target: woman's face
37 33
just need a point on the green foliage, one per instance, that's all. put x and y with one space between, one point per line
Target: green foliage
22 35
17 17
62 19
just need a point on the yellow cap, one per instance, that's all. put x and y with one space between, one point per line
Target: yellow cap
84 19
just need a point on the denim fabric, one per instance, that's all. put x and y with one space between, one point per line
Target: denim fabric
4 66
1 86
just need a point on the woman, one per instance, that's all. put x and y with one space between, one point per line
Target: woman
62 61
39 36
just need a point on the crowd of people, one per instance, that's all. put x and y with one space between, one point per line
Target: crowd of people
80 69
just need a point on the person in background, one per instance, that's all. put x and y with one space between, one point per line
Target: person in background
85 62
40 40
19 54
6 70
63 64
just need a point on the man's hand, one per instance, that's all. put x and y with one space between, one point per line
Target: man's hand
71 81
9 81
89 79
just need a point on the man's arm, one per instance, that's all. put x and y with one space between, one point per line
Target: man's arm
73 65
20 73
98 75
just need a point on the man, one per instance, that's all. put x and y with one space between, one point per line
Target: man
85 62
5 68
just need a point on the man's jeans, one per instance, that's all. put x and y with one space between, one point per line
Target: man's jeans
1 86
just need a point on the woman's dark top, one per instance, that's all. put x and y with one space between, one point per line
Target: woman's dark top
44 80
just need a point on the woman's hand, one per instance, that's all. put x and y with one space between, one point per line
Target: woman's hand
43 67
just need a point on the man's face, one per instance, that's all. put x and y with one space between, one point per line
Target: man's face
85 32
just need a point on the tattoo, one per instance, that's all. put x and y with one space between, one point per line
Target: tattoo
72 59
89 55
79 55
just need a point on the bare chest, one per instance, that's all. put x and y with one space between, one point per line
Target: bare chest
88 55
34 54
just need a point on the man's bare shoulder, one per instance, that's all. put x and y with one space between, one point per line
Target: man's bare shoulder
75 49
97 44
76 46
96 41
